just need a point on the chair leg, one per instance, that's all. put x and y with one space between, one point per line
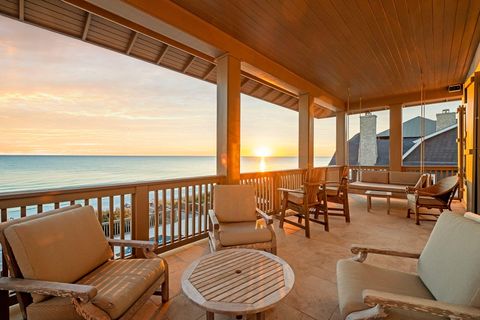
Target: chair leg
325 219
307 224
346 210
417 216
165 287
408 213
282 214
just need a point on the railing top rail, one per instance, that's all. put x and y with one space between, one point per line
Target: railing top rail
118 188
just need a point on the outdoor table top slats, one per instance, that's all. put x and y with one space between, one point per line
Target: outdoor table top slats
237 280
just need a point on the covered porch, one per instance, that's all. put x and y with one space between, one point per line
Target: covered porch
313 261
369 58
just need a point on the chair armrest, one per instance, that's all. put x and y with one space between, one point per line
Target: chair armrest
300 191
264 216
58 289
438 308
363 250
140 244
213 219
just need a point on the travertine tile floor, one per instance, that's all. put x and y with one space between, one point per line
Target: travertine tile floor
313 260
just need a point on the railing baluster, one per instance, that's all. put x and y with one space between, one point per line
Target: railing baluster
39 208
164 217
99 210
172 215
122 224
200 208
111 231
155 203
187 211
194 210
180 213
23 211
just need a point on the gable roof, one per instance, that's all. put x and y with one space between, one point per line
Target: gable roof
412 128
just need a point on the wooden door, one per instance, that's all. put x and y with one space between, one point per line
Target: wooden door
470 151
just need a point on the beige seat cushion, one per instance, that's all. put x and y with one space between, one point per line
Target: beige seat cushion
449 262
296 198
62 247
374 176
403 178
426 201
354 277
119 283
234 203
240 233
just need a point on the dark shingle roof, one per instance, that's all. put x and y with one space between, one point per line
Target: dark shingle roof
439 150
412 128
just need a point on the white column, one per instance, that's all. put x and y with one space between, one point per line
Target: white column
228 118
396 139
305 134
340 152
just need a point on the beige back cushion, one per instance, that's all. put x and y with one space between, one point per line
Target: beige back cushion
404 178
448 266
374 176
62 247
234 203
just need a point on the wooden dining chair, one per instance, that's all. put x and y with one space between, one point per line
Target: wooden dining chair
337 191
310 199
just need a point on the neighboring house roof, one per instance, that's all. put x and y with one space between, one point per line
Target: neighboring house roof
413 128
440 147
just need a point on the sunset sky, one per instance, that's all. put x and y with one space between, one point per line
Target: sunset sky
62 96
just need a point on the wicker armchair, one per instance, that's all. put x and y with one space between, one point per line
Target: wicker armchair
235 222
61 267
445 286
438 196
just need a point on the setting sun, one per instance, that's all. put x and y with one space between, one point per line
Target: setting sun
263 152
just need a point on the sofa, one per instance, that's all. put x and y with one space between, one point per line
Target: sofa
395 182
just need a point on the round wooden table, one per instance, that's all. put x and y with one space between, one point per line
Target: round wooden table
237 282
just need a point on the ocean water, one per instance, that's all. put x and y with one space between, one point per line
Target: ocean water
24 173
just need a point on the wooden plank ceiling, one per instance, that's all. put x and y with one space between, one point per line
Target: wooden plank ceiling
66 19
375 48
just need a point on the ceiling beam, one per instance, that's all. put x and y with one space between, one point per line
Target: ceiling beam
21 10
86 27
209 72
98 10
244 82
266 93
162 54
408 99
256 89
132 42
188 29
189 63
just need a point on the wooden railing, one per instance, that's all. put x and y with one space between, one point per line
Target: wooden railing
438 172
170 212
267 183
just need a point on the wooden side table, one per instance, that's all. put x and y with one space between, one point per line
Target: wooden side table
378 194
237 282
